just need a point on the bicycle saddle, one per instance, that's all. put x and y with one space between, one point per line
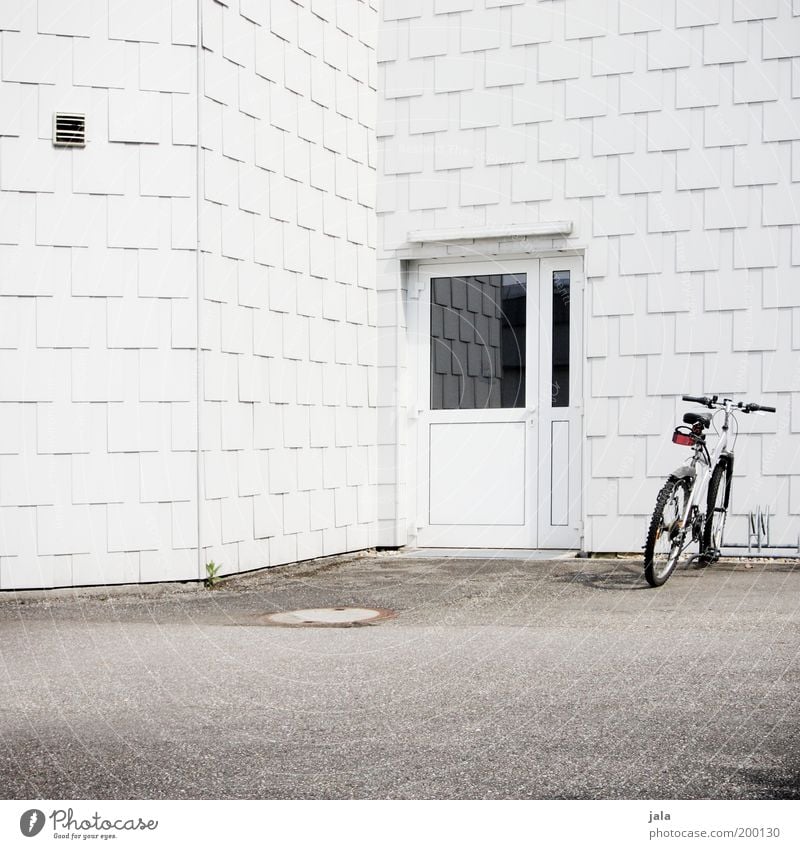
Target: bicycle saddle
693 418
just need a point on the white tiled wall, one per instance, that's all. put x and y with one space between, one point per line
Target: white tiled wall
289 312
668 132
99 288
96 274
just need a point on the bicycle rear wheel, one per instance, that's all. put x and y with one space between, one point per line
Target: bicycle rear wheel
716 513
664 544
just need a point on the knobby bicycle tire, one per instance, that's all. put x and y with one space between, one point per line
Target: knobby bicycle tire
654 576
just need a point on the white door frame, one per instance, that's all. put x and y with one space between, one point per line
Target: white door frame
420 416
564 530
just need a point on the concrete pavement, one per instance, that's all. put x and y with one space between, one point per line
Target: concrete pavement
496 679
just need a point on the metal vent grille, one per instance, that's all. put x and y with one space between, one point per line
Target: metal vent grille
69 129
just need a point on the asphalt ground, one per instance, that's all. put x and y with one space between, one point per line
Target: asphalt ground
495 679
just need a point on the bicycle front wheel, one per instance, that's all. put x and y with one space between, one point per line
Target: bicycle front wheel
716 513
664 543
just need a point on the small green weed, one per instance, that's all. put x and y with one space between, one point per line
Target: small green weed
212 575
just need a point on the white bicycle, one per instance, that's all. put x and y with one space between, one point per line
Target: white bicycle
678 519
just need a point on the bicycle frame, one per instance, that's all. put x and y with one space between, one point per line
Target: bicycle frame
708 460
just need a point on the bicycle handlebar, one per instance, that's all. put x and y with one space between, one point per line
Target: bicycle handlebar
713 402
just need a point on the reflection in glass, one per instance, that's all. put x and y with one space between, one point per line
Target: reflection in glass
478 342
560 374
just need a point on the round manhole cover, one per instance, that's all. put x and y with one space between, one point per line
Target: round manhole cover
331 617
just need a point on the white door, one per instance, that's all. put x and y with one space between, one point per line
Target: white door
498 385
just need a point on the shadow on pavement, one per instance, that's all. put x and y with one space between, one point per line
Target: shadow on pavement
778 784
618 576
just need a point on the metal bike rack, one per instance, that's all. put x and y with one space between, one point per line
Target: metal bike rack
758 536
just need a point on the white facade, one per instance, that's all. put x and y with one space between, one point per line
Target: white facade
107 287
249 393
667 132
